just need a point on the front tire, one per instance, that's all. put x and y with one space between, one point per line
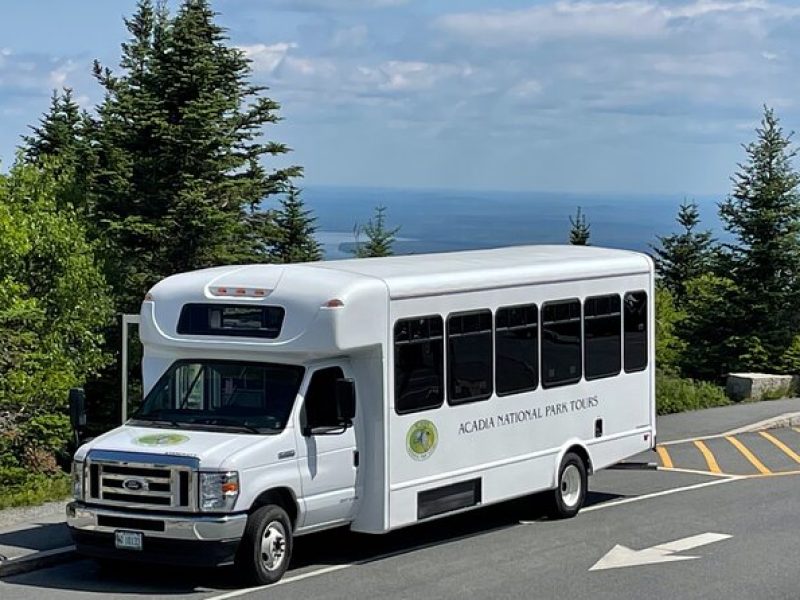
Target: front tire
266 547
568 498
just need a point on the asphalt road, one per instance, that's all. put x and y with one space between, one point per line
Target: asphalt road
511 551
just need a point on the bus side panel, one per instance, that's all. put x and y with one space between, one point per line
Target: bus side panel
513 443
497 483
371 484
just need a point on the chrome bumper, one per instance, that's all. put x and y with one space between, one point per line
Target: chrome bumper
192 528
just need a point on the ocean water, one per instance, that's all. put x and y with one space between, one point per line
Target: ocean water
447 220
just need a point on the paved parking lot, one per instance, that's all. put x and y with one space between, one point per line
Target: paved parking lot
763 453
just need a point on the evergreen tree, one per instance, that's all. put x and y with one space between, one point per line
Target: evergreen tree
295 229
180 179
580 232
685 255
58 132
64 138
763 214
379 239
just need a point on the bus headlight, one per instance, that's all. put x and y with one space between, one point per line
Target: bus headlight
218 491
77 480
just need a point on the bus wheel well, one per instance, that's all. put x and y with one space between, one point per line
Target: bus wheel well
581 451
282 497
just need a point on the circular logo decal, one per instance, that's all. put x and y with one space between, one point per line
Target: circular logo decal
161 439
422 439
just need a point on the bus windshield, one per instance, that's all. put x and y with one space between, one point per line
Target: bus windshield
227 395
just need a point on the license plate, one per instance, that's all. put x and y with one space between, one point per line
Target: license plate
128 540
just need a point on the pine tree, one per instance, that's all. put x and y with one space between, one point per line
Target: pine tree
580 232
686 255
295 229
180 178
58 132
64 139
763 215
379 239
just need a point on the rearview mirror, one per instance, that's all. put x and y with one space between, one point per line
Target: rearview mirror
345 393
77 408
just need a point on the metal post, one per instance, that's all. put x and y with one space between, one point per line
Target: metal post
126 321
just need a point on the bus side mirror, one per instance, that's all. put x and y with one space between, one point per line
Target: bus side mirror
346 400
77 408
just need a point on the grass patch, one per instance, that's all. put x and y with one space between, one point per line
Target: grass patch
34 490
677 394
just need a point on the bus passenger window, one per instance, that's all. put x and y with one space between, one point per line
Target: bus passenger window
635 331
469 356
602 336
561 343
517 349
418 364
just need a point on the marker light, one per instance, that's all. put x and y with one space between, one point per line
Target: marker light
148 297
334 303
240 292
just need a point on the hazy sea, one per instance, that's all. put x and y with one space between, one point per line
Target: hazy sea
436 220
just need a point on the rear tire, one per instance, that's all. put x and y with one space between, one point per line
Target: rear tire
266 547
568 498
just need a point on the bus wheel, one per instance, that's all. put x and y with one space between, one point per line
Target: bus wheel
567 499
266 547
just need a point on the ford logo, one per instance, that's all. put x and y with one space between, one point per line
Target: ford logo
134 485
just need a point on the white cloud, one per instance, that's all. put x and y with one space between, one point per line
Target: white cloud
58 76
267 57
405 76
631 19
331 5
350 37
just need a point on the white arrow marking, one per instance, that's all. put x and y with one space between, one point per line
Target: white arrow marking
622 556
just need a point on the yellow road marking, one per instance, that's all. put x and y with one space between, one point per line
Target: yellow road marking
797 429
786 450
710 460
748 455
666 461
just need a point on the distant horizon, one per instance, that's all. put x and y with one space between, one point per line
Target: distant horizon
300 184
437 220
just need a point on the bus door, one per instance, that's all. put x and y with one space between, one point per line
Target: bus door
327 453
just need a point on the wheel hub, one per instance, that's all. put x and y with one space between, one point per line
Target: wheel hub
570 485
273 546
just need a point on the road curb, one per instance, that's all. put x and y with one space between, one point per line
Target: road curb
791 419
784 420
38 560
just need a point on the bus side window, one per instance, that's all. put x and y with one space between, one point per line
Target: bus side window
602 336
320 405
517 349
469 356
561 343
418 364
635 323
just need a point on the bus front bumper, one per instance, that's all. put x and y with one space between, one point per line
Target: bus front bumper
190 540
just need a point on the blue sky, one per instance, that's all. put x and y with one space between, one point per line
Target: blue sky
635 96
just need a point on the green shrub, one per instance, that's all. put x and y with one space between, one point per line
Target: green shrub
19 487
678 394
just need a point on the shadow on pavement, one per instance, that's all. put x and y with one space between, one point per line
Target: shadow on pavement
328 548
44 536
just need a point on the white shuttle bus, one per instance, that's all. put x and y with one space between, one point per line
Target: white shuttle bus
377 393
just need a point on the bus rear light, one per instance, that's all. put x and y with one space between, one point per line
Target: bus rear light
335 303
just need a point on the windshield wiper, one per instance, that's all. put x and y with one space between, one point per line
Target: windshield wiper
227 422
153 419
159 422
